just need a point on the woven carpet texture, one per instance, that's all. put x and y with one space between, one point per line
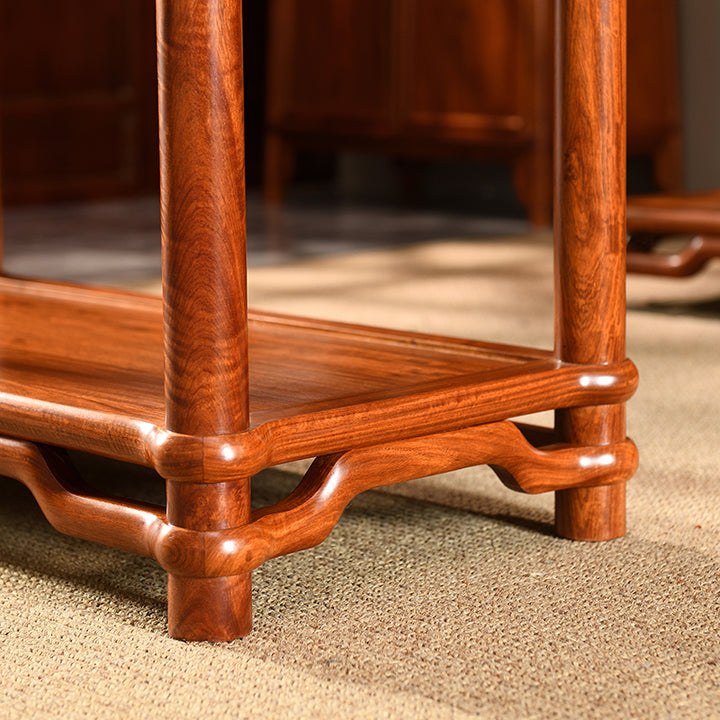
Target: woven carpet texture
446 597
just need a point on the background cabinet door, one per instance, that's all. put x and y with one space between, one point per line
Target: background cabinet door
435 78
78 98
479 75
413 77
330 66
654 123
462 67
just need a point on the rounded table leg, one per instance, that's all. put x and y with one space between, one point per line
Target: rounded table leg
591 513
209 608
595 513
214 609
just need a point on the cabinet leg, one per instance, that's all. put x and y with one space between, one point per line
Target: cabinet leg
209 608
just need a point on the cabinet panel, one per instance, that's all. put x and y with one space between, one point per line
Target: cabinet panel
652 71
452 77
52 157
654 122
330 61
82 50
463 64
78 98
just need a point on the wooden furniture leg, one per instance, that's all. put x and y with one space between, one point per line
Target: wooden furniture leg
204 286
165 383
590 237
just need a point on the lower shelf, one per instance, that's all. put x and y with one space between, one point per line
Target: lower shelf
83 369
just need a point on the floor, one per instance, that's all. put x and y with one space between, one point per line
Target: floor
117 241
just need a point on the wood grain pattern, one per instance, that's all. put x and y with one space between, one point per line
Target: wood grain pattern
222 546
309 514
590 201
202 192
72 507
410 416
207 394
332 393
203 215
594 513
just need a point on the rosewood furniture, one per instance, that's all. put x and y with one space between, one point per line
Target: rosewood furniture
208 394
78 99
467 79
652 217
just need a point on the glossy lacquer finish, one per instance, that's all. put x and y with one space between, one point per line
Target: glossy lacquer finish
205 317
208 394
590 230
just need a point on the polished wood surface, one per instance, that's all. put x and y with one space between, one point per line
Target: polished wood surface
202 181
590 203
452 78
308 515
682 213
690 260
652 217
208 394
342 385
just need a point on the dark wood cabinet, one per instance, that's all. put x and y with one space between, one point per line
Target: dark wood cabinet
78 98
438 78
653 77
344 75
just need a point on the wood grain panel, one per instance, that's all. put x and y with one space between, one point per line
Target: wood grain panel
464 62
315 386
78 99
344 75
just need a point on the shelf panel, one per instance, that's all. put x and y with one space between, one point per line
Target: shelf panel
299 366
83 368
81 349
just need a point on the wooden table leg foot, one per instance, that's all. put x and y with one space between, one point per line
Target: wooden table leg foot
214 609
594 513
209 608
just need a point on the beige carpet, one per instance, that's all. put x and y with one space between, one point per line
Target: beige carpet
447 597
